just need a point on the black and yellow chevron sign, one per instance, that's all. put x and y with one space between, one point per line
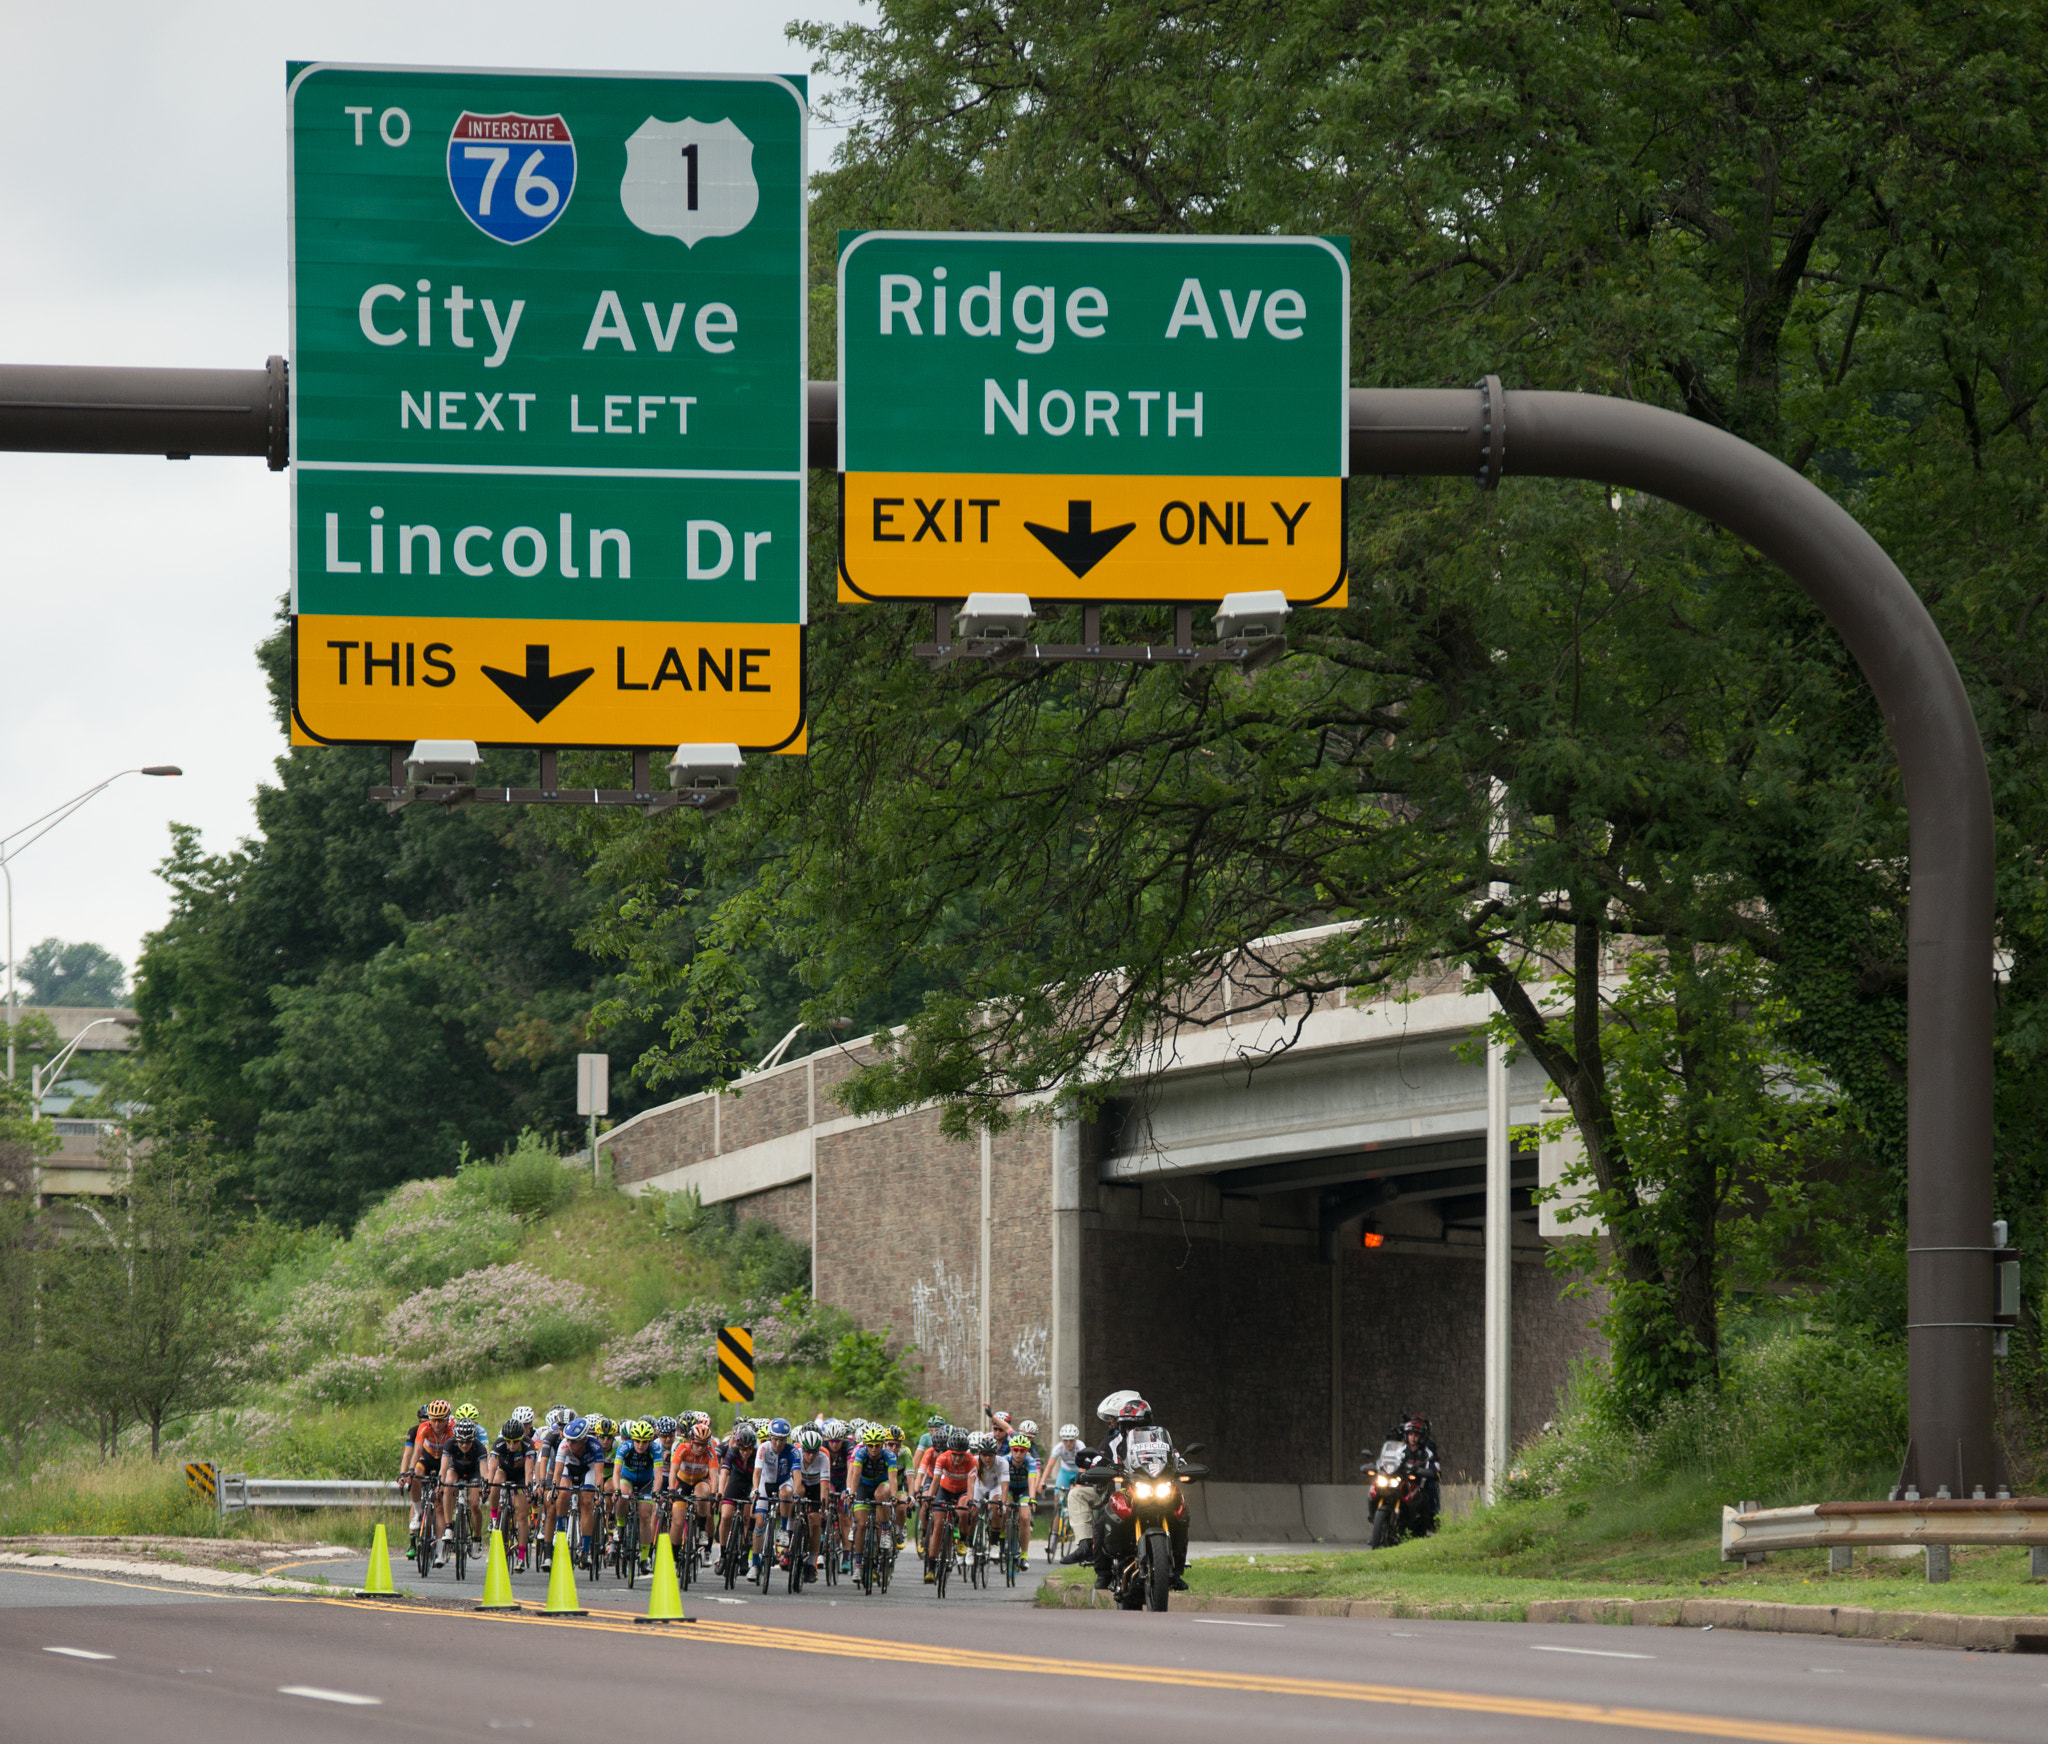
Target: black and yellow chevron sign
735 1363
200 1479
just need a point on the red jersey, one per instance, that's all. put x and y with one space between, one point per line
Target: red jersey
954 1471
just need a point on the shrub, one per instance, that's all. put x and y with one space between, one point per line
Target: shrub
500 1317
320 1321
428 1232
865 1372
530 1180
791 1329
1795 1410
349 1380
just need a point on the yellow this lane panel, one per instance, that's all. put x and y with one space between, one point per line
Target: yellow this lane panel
562 681
939 536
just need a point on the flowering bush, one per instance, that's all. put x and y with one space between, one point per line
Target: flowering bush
319 1321
428 1232
348 1380
499 1317
787 1329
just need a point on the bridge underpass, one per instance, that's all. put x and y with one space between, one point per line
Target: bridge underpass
1205 1241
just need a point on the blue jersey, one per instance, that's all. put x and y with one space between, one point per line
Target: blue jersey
637 1464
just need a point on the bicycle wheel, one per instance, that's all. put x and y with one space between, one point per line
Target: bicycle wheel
765 1533
834 1547
799 1549
629 1544
945 1556
1013 1551
424 1555
864 1568
729 1550
461 1511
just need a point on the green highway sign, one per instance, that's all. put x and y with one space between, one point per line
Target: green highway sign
548 419
1093 417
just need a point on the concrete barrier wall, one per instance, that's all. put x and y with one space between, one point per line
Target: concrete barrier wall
1295 1513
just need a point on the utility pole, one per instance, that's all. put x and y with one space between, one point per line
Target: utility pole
1497 1432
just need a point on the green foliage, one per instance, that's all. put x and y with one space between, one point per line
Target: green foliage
758 1258
1796 1413
866 1373
530 1180
424 1234
73 974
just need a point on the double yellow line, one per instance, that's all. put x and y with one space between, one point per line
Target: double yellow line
724 1634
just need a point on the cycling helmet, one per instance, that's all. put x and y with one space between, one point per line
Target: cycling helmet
469 1411
779 1426
700 1425
514 1430
957 1441
603 1426
523 1415
1070 1432
809 1439
935 1421
467 1429
873 1435
423 1413
1027 1427
1020 1444
835 1429
1108 1410
639 1430
1135 1415
895 1432
437 1411
743 1435
558 1417
664 1426
578 1428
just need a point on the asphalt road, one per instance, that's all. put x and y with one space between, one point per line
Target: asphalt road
907 1586
187 1670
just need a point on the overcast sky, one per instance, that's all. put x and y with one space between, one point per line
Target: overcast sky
143 212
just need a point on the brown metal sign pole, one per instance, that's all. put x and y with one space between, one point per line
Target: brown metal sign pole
1485 434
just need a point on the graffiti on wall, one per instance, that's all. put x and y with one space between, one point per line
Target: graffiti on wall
945 1311
1029 1356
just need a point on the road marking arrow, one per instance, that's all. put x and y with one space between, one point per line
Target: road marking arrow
1080 545
536 692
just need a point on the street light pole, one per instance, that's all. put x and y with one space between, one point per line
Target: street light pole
48 822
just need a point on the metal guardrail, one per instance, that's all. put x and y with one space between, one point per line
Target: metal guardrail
238 1493
1935 1524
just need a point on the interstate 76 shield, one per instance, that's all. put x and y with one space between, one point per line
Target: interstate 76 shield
548 407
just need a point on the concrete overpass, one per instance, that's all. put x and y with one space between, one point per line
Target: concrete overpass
1206 1240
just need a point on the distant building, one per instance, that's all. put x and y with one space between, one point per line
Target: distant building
77 1166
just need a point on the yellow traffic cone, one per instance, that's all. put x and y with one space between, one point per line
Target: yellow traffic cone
498 1577
562 1583
377 1583
665 1597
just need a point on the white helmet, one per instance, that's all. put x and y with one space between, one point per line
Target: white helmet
1027 1427
1070 1432
1110 1406
523 1416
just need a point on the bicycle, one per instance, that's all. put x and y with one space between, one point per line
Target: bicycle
626 1544
799 1547
978 1574
1059 1536
945 1530
764 1545
733 1545
1013 1545
834 1547
460 1510
430 1536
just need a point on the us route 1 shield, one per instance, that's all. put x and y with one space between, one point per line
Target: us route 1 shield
1093 418
548 432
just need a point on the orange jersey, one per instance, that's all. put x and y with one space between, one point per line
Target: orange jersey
692 1460
432 1440
954 1471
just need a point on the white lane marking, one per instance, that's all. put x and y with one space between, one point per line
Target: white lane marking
1827 1671
344 1697
78 1653
1239 1623
728 1601
1594 1652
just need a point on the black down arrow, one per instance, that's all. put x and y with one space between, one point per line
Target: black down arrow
537 692
1079 544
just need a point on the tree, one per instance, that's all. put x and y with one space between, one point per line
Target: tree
24 1250
1814 226
143 1324
73 974
348 996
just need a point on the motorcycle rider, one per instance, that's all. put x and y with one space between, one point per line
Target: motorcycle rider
1419 1456
1116 1540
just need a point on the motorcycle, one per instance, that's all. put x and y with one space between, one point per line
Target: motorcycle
1148 1495
1399 1496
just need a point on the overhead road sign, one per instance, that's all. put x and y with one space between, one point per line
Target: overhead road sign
1093 418
548 408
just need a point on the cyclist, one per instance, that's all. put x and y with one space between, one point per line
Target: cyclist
774 1461
736 1457
547 1443
690 1460
409 1476
578 1460
950 1490
933 1442
991 1482
1059 1469
871 1476
463 1463
512 1456
1023 1476
839 1445
637 1463
423 1459
809 1480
